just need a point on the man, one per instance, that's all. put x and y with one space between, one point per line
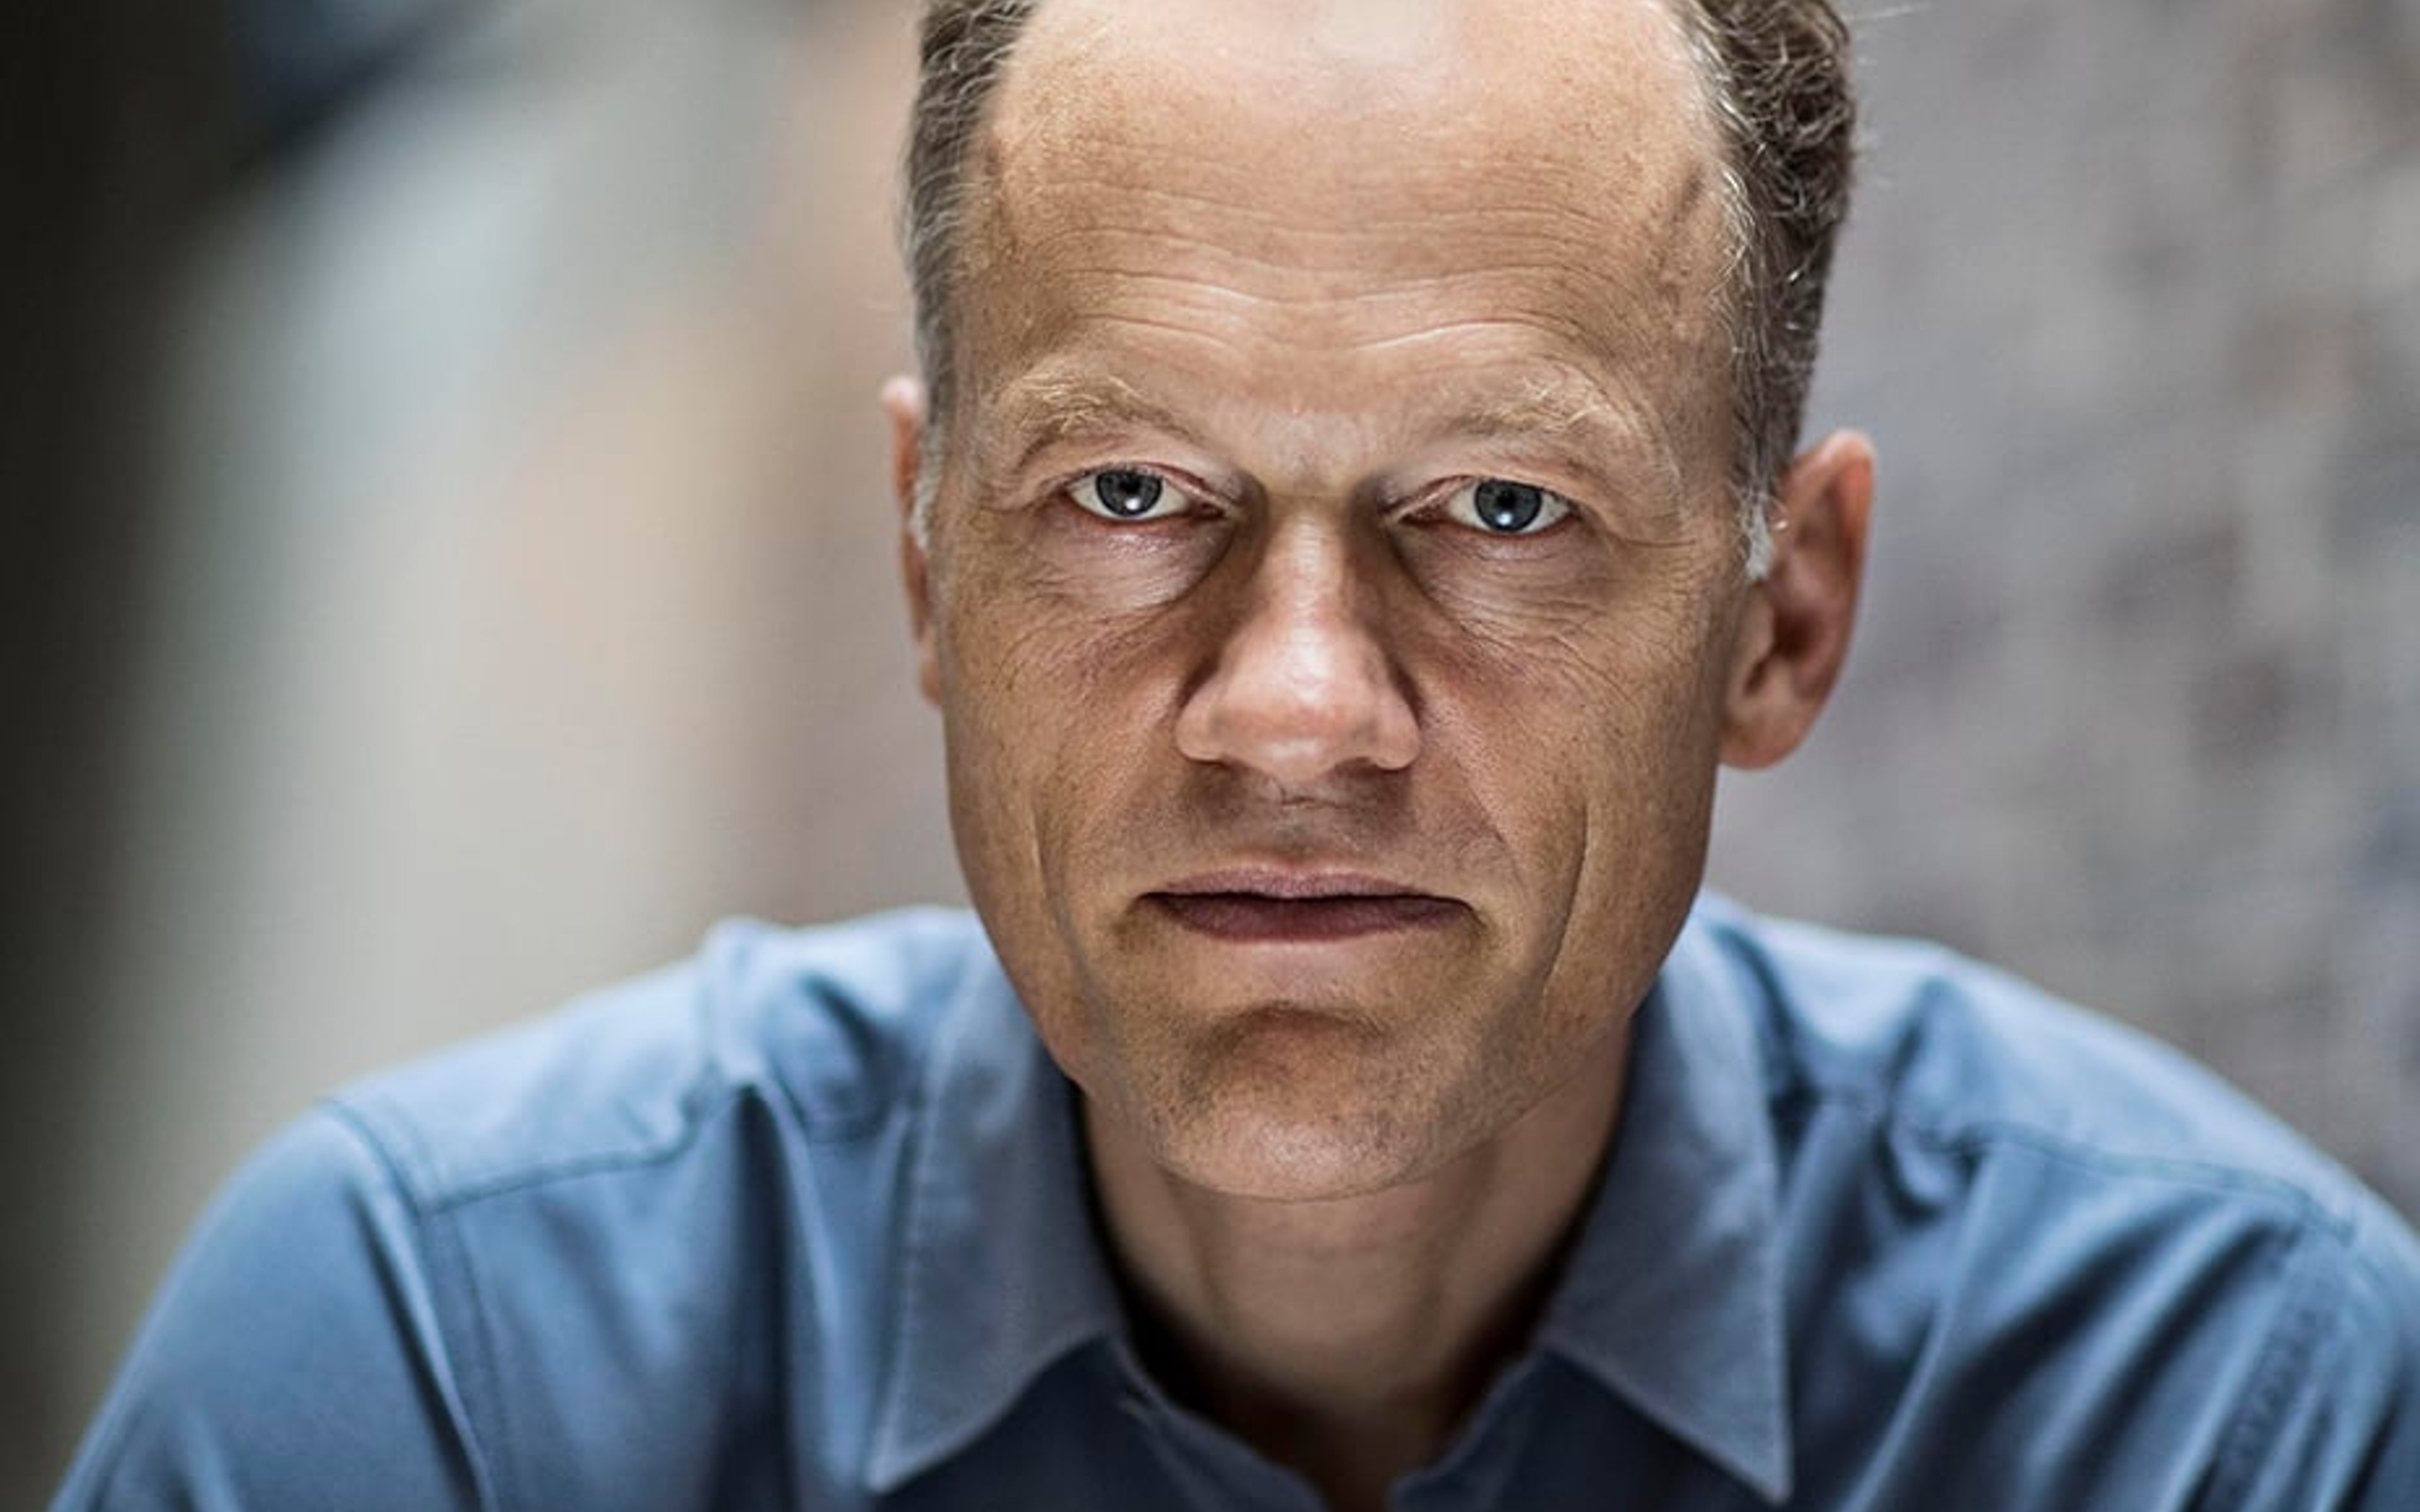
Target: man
1345 528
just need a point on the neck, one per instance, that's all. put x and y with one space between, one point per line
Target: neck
1348 1338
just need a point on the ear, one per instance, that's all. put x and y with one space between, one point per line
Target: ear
902 400
1793 635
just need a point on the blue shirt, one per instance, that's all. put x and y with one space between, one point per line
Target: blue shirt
804 1223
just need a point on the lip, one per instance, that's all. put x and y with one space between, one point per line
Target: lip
1280 906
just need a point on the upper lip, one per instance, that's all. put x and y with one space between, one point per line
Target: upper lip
1272 881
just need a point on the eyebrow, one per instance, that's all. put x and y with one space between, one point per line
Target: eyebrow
1549 405
1569 409
1044 408
1050 406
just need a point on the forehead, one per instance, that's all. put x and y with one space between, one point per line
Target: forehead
1610 70
1354 174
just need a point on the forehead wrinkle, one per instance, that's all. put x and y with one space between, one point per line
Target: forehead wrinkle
1324 314
1067 229
1656 268
1048 201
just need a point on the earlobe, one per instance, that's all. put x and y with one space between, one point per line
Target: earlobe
902 400
1793 635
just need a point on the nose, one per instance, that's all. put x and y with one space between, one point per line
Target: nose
1302 688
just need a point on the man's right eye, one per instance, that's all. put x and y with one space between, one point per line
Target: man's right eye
1126 495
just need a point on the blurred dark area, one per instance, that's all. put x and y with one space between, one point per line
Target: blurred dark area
298 66
121 130
128 125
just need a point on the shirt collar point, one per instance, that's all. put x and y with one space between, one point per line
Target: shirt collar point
1674 1303
1000 1276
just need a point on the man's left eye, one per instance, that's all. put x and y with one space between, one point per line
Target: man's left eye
1127 495
1500 506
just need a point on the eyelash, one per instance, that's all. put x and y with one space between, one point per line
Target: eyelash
1553 507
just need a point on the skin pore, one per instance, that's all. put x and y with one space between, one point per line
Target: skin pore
1336 607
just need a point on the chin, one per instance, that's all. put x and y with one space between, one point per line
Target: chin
1297 1132
1289 1162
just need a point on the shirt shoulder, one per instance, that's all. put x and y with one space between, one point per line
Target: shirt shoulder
2055 1263
302 1275
1943 1047
833 1024
575 1263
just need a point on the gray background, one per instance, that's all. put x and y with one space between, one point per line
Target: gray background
515 591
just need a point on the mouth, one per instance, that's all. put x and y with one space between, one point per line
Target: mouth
1300 907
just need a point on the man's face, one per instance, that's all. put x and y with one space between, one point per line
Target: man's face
1333 592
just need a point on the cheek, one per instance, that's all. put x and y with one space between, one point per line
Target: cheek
1047 712
1591 748
1605 690
1111 574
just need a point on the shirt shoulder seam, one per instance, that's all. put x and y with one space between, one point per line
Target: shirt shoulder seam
476 1358
699 1107
2313 1208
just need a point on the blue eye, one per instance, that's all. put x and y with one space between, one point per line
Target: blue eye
1500 506
1126 495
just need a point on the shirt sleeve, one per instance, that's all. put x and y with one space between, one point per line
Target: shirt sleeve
2332 1425
293 1358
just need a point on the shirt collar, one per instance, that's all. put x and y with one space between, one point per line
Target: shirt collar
1673 1300
1001 1275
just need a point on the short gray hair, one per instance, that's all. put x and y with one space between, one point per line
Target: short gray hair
1779 72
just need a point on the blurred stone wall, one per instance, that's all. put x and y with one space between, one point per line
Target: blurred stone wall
2132 306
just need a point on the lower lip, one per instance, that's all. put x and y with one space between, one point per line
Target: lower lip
1246 915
